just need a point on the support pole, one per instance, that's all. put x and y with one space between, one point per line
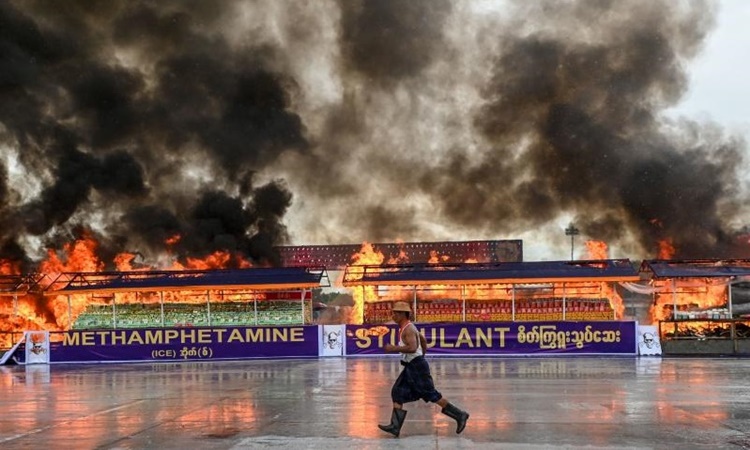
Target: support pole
414 302
208 306
729 297
463 303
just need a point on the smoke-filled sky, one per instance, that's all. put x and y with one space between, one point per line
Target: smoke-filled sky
240 125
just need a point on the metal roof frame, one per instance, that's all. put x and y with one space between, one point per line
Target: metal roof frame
14 285
287 278
491 273
696 268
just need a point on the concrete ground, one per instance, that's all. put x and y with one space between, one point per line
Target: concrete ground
520 403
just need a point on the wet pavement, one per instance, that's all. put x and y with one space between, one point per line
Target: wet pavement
524 403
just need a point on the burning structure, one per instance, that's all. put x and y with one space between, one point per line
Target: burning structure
693 297
527 291
74 292
700 299
150 299
445 282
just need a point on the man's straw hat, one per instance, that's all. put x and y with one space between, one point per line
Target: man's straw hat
401 307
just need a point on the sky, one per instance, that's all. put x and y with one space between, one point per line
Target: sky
718 76
176 129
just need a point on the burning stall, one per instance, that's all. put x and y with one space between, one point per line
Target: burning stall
701 306
182 315
138 299
492 292
17 313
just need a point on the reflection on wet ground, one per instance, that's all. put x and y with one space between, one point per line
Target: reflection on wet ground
337 403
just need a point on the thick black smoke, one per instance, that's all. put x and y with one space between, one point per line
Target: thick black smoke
217 222
142 121
392 40
383 120
587 112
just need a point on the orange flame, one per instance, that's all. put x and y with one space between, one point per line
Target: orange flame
34 312
9 267
695 299
596 250
78 256
436 258
666 249
366 256
173 240
123 262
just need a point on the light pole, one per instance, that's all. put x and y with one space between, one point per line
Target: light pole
572 232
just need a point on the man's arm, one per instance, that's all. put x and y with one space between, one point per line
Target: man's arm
409 336
423 342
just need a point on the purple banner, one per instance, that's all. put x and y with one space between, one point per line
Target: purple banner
177 344
503 338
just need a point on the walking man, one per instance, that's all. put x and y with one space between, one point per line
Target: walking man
415 381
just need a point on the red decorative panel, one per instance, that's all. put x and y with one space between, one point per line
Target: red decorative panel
339 256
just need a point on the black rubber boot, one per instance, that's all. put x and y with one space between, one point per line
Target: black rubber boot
456 414
397 420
